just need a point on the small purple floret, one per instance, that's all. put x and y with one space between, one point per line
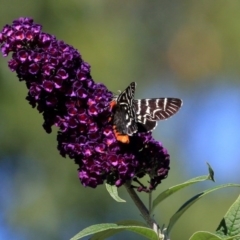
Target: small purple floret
62 89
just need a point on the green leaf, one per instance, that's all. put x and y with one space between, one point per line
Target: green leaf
112 189
178 187
230 224
211 172
114 229
202 235
236 237
191 201
108 233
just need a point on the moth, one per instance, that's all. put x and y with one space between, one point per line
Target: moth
140 115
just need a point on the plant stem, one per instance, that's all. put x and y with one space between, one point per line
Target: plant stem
150 202
142 208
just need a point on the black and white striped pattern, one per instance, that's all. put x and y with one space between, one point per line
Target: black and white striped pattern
133 115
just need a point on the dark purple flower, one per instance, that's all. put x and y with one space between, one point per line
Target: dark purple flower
62 89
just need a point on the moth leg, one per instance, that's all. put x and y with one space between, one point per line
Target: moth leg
112 105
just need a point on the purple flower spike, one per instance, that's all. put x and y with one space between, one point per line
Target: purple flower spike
62 89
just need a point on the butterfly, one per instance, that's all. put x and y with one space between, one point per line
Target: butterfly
140 115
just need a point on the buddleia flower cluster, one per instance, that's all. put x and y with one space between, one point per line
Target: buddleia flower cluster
60 86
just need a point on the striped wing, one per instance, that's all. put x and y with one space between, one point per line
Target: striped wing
127 96
149 111
125 116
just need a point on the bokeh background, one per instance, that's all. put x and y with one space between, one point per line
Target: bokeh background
186 49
